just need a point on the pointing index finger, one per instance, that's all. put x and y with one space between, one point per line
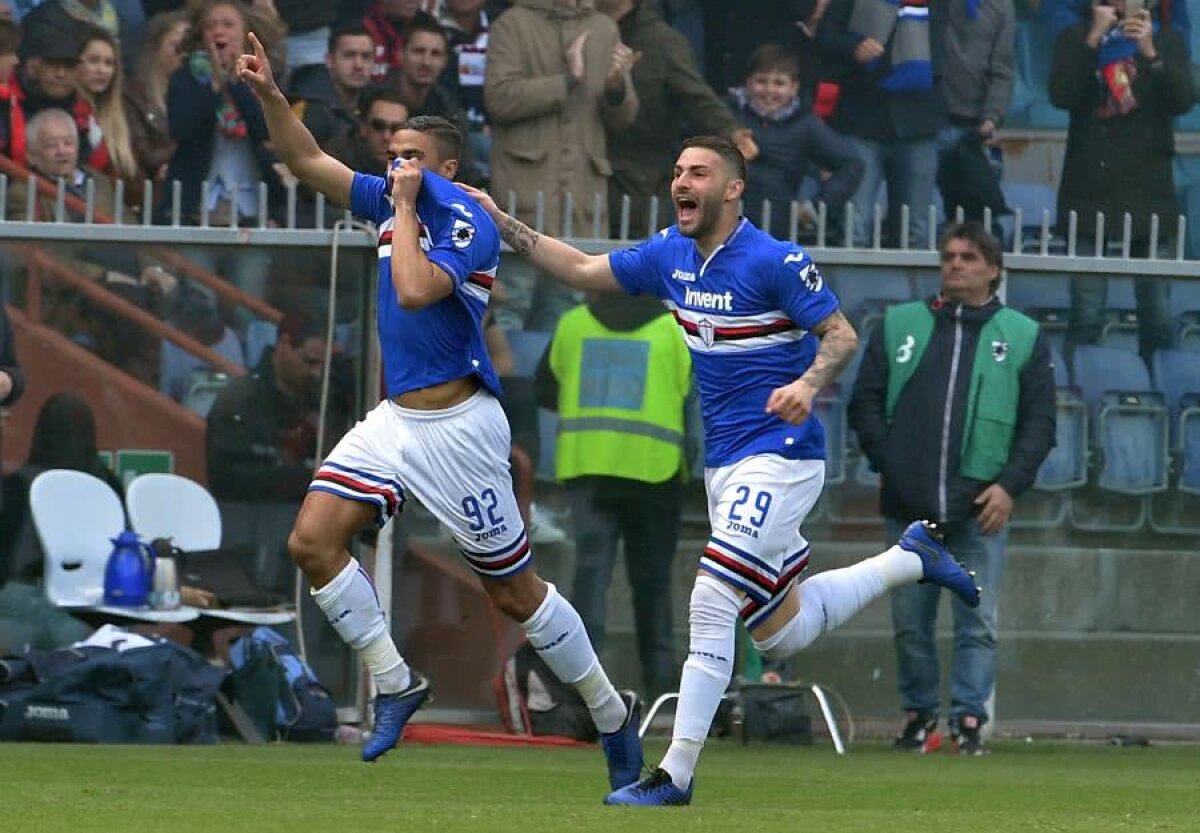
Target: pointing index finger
258 47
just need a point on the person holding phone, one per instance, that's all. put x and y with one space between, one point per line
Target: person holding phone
1124 78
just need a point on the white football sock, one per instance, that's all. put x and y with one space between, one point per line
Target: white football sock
712 615
556 632
830 598
350 604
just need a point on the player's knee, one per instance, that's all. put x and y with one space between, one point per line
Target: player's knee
713 608
311 551
517 597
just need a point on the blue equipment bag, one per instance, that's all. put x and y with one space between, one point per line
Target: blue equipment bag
279 691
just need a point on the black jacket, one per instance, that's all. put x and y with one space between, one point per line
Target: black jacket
8 360
1123 163
319 105
909 452
259 444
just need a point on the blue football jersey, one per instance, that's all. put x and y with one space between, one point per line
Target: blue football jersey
443 341
744 313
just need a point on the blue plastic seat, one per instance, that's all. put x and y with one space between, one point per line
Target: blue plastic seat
259 336
1097 369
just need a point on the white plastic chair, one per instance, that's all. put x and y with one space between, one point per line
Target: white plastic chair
76 515
172 506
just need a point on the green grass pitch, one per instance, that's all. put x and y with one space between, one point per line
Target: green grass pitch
325 789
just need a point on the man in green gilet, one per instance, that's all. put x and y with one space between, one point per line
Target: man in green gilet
954 407
618 374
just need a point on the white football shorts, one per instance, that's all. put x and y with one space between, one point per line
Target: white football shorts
455 461
756 507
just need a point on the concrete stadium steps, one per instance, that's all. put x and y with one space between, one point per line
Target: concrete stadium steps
1093 635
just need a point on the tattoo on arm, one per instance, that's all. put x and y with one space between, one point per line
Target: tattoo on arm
838 343
519 236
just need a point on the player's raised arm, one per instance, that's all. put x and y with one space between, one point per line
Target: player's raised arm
563 261
292 142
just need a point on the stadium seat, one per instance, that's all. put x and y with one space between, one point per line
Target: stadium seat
865 292
1037 290
1120 330
176 364
1189 444
259 336
1185 296
1176 374
1188 325
830 409
76 517
1053 322
1130 432
528 346
171 506
174 507
1033 199
1098 369
1121 295
202 389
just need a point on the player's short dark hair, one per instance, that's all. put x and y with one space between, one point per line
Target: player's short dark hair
350 29
425 22
725 148
378 92
974 233
445 133
10 37
773 57
299 325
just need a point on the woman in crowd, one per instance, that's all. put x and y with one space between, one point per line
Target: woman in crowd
100 107
146 94
64 437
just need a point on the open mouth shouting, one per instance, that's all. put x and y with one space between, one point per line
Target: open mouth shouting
687 209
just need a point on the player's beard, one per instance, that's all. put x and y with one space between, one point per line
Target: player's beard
707 215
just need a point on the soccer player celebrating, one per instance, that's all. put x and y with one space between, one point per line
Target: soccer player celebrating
440 433
754 312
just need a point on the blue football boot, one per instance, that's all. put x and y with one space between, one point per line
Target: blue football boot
656 790
940 567
623 748
392 712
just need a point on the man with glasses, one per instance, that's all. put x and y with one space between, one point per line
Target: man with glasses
381 111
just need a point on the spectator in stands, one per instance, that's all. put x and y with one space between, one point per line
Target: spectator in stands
388 21
793 142
671 92
100 107
146 96
12 116
48 82
426 53
381 112
466 25
890 110
1124 80
618 374
309 25
53 148
218 126
12 380
65 20
64 437
981 373
551 109
325 96
262 429
976 42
